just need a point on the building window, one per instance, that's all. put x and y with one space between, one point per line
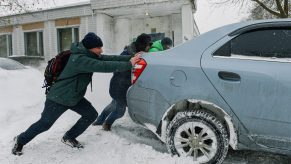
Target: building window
6 45
67 36
33 43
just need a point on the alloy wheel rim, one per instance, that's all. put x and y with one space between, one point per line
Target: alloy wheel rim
197 140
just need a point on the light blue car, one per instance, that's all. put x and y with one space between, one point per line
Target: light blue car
228 87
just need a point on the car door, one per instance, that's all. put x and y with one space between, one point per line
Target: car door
252 72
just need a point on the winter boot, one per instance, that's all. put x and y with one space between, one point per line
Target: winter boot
107 127
17 149
72 143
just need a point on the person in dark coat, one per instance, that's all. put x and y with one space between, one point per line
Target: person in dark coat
69 93
119 84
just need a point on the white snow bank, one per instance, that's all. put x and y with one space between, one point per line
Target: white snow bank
19 90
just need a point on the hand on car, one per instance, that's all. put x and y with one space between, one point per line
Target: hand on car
139 53
135 59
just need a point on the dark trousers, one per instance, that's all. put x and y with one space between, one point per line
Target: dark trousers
52 111
112 112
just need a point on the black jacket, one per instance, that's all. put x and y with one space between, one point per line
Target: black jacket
121 81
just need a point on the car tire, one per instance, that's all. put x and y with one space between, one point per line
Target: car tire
198 134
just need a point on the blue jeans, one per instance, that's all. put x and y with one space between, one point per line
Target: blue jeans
112 112
52 111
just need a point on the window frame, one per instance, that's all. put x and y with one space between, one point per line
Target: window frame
37 31
9 51
253 58
73 27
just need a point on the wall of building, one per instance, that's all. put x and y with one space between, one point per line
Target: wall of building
176 24
104 4
81 16
50 39
105 31
126 30
75 16
51 14
115 31
122 33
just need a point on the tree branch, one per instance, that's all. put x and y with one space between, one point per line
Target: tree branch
286 7
266 8
280 8
8 7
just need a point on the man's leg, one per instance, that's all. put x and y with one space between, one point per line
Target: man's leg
52 111
106 111
117 113
88 115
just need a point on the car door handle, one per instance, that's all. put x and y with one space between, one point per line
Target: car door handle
229 76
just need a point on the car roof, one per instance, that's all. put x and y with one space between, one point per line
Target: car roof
198 44
228 29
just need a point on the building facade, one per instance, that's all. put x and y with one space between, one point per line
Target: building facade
39 36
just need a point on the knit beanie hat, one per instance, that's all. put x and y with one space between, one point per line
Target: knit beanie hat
91 40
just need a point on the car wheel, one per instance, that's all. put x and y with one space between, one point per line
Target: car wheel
198 134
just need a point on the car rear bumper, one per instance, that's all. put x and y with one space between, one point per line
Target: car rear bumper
146 106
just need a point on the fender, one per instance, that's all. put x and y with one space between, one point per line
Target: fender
233 141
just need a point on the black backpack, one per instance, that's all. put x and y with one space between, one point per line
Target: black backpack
54 68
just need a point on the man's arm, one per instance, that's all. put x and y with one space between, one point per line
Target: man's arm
85 64
115 57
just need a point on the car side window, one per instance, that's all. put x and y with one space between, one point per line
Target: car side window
266 43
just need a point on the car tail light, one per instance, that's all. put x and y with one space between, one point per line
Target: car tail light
137 70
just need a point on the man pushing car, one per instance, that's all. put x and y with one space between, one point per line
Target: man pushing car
68 92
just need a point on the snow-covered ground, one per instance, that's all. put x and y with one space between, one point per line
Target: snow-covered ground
21 103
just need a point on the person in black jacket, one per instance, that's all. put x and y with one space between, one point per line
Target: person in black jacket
119 84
